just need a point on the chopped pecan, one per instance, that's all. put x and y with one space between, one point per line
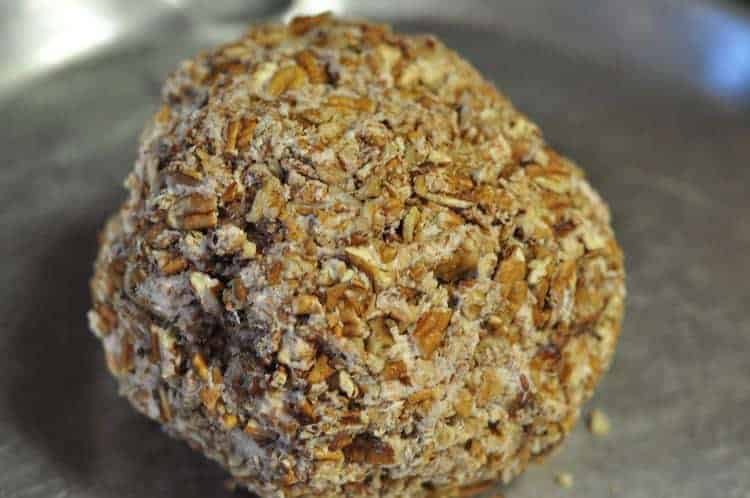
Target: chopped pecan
229 421
193 212
430 330
302 24
410 223
286 78
327 455
366 448
346 385
363 259
306 304
394 370
461 263
199 363
358 104
511 270
464 403
254 429
320 371
489 389
206 289
420 187
380 337
173 265
315 69
210 396
165 409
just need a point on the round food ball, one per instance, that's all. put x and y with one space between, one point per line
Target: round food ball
349 267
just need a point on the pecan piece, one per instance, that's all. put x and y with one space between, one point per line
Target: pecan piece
306 304
460 264
430 330
314 68
302 24
394 370
366 448
363 259
286 78
320 371
193 212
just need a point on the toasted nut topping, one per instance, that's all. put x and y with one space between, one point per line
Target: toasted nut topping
347 385
366 448
332 456
173 266
430 330
380 337
199 363
232 132
421 189
511 270
358 104
192 213
410 224
247 130
316 72
320 371
162 117
464 403
254 430
362 258
206 289
105 318
229 421
296 352
301 25
341 440
286 78
420 396
394 370
490 388
165 410
461 263
344 249
306 305
210 396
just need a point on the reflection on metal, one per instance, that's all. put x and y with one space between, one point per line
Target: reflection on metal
306 7
727 51
39 35
74 28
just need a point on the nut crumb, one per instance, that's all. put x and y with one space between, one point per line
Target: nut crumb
564 480
598 423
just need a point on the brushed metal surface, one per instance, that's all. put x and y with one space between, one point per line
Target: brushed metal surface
651 98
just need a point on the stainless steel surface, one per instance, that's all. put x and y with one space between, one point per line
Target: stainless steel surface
653 99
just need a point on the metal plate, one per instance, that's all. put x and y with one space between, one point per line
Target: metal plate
653 99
